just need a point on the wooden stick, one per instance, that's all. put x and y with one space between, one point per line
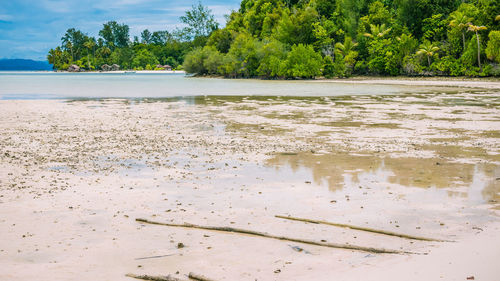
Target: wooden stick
153 278
154 257
362 229
263 234
198 277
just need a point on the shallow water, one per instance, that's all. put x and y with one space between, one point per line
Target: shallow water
46 85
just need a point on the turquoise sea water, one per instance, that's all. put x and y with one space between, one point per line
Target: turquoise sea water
47 85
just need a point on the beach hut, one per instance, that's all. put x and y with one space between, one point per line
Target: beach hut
105 67
74 68
163 67
115 67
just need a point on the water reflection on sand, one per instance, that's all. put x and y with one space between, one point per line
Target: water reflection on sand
343 170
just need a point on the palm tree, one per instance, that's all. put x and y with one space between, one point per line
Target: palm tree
69 46
378 31
89 45
475 28
347 47
460 21
347 51
428 49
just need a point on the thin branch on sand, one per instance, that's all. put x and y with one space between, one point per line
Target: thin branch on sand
154 278
362 229
154 257
263 234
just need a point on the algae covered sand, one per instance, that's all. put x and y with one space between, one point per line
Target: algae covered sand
75 174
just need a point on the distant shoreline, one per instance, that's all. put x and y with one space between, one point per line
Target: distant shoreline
103 72
129 71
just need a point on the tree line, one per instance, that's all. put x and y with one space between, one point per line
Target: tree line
340 38
114 46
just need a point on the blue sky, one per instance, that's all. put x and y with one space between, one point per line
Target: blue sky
29 28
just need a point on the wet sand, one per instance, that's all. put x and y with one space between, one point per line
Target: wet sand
481 83
74 175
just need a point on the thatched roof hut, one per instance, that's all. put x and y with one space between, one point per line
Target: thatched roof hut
105 67
74 68
164 67
115 67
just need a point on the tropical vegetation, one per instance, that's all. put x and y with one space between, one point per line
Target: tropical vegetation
307 39
114 44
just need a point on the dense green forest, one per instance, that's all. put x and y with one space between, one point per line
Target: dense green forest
309 38
339 38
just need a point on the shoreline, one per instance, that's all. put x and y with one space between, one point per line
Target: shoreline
460 82
488 83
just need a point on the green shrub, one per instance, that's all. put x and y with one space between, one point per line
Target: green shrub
448 65
339 65
328 67
411 66
273 53
493 47
302 61
193 62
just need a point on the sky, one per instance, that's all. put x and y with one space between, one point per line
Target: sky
30 28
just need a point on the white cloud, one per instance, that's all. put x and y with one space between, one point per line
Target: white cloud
5 17
56 6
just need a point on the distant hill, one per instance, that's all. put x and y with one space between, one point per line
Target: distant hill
22 64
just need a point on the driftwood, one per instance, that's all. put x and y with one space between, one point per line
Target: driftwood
263 234
198 277
154 257
384 232
154 278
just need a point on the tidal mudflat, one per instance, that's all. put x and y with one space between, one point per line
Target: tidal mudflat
75 175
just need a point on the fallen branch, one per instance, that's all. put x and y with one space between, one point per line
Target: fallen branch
153 278
197 277
263 234
362 229
154 257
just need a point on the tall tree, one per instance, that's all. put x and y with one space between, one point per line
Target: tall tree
146 36
160 37
89 44
460 21
199 21
115 35
475 28
73 40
